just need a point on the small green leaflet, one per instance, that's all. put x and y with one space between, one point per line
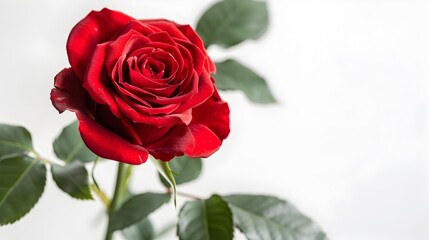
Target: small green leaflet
232 75
209 219
14 140
266 217
135 209
72 179
69 146
22 182
230 22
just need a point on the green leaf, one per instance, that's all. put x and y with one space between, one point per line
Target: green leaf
135 209
185 169
232 75
14 140
165 171
209 219
142 230
69 146
22 181
266 217
230 22
72 179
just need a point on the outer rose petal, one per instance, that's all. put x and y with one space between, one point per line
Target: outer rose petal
68 94
195 140
96 80
109 145
205 90
213 113
96 27
204 142
165 25
194 38
197 55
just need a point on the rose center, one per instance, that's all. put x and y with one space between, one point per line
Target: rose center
153 68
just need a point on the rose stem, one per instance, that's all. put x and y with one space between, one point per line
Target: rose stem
187 195
120 186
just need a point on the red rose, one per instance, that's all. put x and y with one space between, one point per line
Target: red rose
141 87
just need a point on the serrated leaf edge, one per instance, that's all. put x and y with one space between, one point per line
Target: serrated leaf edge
43 190
81 189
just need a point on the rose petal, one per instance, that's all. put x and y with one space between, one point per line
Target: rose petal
187 67
95 28
68 93
195 141
120 126
159 100
213 113
97 80
128 95
195 39
205 90
162 37
136 25
198 56
165 25
166 109
149 133
160 121
109 145
200 141
124 45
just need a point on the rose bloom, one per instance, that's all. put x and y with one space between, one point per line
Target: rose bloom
141 87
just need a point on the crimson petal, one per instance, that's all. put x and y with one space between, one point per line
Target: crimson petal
195 140
114 147
68 94
96 81
213 113
96 27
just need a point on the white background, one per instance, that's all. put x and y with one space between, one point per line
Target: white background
347 143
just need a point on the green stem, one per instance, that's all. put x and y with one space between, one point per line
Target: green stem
103 197
120 187
40 158
187 195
